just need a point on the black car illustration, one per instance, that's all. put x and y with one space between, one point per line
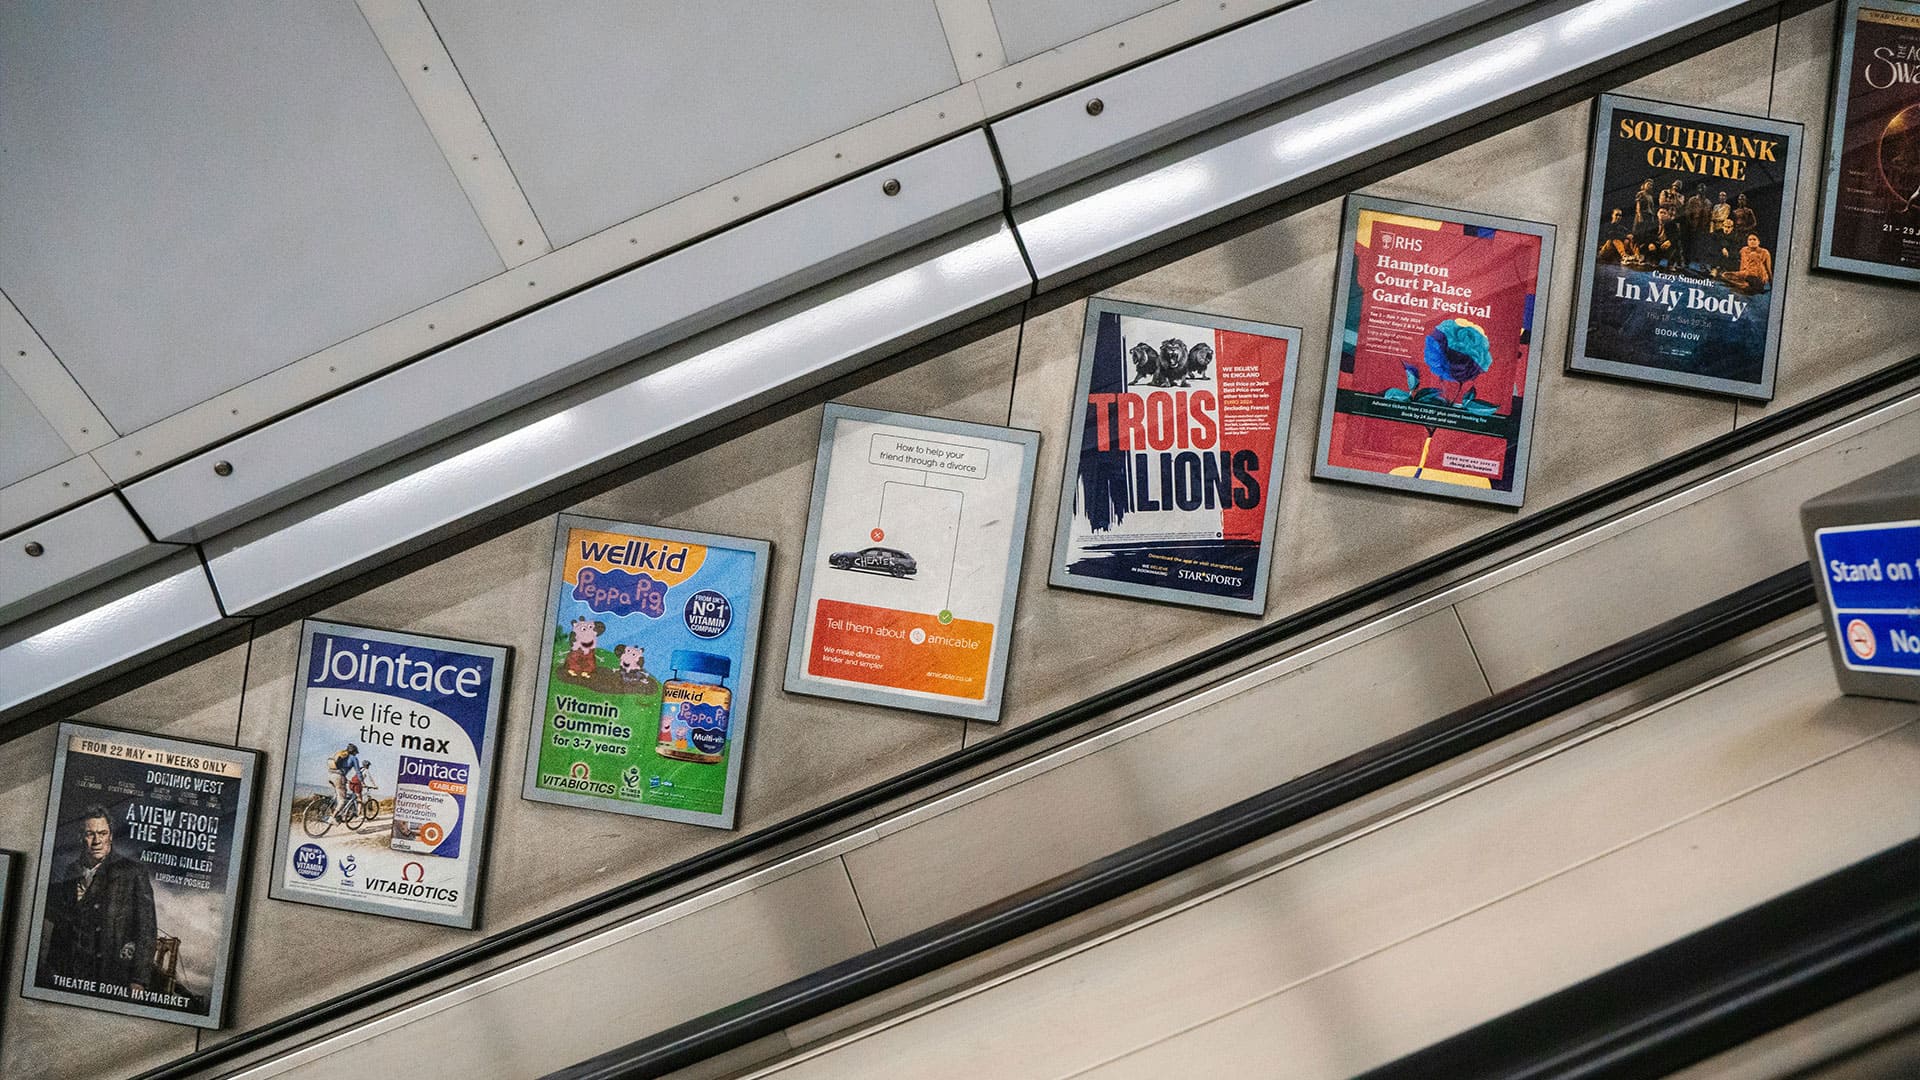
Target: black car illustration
878 560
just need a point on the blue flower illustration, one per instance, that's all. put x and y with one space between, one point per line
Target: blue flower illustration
1458 351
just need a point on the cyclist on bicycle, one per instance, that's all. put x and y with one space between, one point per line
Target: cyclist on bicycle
345 764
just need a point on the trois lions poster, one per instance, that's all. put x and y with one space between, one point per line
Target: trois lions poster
1173 464
1870 201
140 869
1431 368
1685 247
389 773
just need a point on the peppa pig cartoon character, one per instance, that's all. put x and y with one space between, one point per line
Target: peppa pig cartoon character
633 666
581 660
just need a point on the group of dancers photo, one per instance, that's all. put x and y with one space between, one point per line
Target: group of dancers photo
1695 234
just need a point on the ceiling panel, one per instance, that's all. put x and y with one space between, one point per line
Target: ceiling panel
1031 27
27 442
197 194
606 110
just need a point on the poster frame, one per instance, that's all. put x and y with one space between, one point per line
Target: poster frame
738 719
1323 468
1590 223
1838 95
239 858
1057 574
987 710
502 656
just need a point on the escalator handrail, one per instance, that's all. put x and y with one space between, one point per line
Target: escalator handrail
851 808
1207 837
1708 992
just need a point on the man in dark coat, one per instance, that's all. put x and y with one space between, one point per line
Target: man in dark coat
101 911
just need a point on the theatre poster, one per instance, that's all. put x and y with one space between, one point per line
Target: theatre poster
141 867
1685 246
1870 191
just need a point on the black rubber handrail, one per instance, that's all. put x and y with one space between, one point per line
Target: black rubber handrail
1208 837
913 781
1709 992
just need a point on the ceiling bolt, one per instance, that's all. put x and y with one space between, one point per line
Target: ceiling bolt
891 187
34 549
223 468
1095 107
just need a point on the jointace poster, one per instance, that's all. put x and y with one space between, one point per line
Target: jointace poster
388 778
141 866
1432 365
1173 465
1685 247
644 693
912 561
1870 198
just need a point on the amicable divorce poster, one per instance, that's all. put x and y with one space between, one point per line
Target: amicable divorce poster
140 869
643 698
1683 257
1432 362
1173 464
1870 198
912 562
388 778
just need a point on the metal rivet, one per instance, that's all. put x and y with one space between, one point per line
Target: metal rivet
34 549
223 468
891 187
1095 107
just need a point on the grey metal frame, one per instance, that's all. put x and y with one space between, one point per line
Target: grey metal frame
480 803
239 855
1577 358
1823 256
1057 575
798 681
1349 222
738 720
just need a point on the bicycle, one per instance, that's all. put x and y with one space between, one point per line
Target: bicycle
363 807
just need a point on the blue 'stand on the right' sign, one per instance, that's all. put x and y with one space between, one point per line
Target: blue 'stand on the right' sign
1873 577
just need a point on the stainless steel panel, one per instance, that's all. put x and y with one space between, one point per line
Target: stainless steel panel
199 195
50 491
1622 833
1306 45
1669 563
613 987
1264 158
92 636
942 866
28 442
670 397
1031 27
608 109
79 549
664 301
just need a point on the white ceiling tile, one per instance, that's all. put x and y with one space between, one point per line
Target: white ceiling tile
198 194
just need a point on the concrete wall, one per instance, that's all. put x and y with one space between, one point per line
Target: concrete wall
806 752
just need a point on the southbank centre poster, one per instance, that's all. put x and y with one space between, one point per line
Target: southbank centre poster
912 562
141 867
1172 476
1432 365
1684 252
1870 194
388 779
644 691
